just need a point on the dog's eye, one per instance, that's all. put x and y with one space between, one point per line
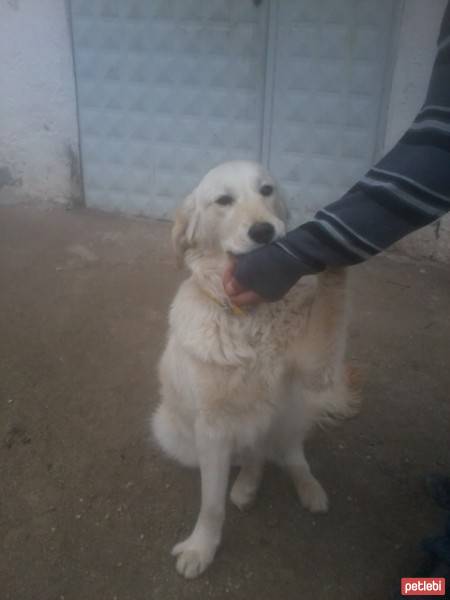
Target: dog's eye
225 200
266 190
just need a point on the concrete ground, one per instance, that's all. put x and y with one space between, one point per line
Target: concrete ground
90 509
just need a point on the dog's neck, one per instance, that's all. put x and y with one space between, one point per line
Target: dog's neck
207 271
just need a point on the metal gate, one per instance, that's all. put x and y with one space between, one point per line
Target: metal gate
169 88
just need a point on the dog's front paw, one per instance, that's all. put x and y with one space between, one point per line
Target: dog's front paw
312 496
194 556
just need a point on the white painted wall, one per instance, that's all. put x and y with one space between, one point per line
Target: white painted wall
38 124
415 52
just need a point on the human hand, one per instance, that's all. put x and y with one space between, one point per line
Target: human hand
238 295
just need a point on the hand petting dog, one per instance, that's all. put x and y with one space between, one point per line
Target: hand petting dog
238 295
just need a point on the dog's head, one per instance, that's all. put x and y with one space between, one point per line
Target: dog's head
235 208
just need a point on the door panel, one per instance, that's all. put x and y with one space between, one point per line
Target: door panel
166 89
329 73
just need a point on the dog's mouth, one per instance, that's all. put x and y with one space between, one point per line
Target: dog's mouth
235 253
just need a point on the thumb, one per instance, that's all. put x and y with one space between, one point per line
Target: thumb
230 284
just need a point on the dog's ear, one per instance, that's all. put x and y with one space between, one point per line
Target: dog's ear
184 227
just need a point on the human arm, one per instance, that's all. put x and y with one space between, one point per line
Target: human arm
406 190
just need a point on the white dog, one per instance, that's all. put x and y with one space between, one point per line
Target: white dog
245 387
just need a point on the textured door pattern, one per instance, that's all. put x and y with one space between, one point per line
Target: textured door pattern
166 89
329 71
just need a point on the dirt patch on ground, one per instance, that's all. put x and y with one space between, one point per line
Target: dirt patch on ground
90 509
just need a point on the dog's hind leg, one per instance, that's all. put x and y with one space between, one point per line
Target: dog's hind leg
323 344
198 550
246 485
309 490
319 354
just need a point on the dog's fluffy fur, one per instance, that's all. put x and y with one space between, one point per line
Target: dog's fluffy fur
244 388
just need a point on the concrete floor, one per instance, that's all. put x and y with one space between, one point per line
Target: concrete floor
90 509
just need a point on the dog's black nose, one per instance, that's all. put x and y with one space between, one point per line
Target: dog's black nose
261 233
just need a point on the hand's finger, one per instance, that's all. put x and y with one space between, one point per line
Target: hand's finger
247 298
228 274
239 295
232 286
229 270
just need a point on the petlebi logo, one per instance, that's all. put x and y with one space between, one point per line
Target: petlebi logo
423 586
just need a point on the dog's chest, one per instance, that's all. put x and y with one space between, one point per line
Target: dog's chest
258 340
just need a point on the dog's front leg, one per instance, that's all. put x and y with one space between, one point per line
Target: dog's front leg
198 550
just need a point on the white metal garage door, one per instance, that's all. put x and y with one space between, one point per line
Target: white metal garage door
168 88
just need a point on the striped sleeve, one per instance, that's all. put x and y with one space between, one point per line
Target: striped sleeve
406 190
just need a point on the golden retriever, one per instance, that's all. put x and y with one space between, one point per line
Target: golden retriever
247 386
